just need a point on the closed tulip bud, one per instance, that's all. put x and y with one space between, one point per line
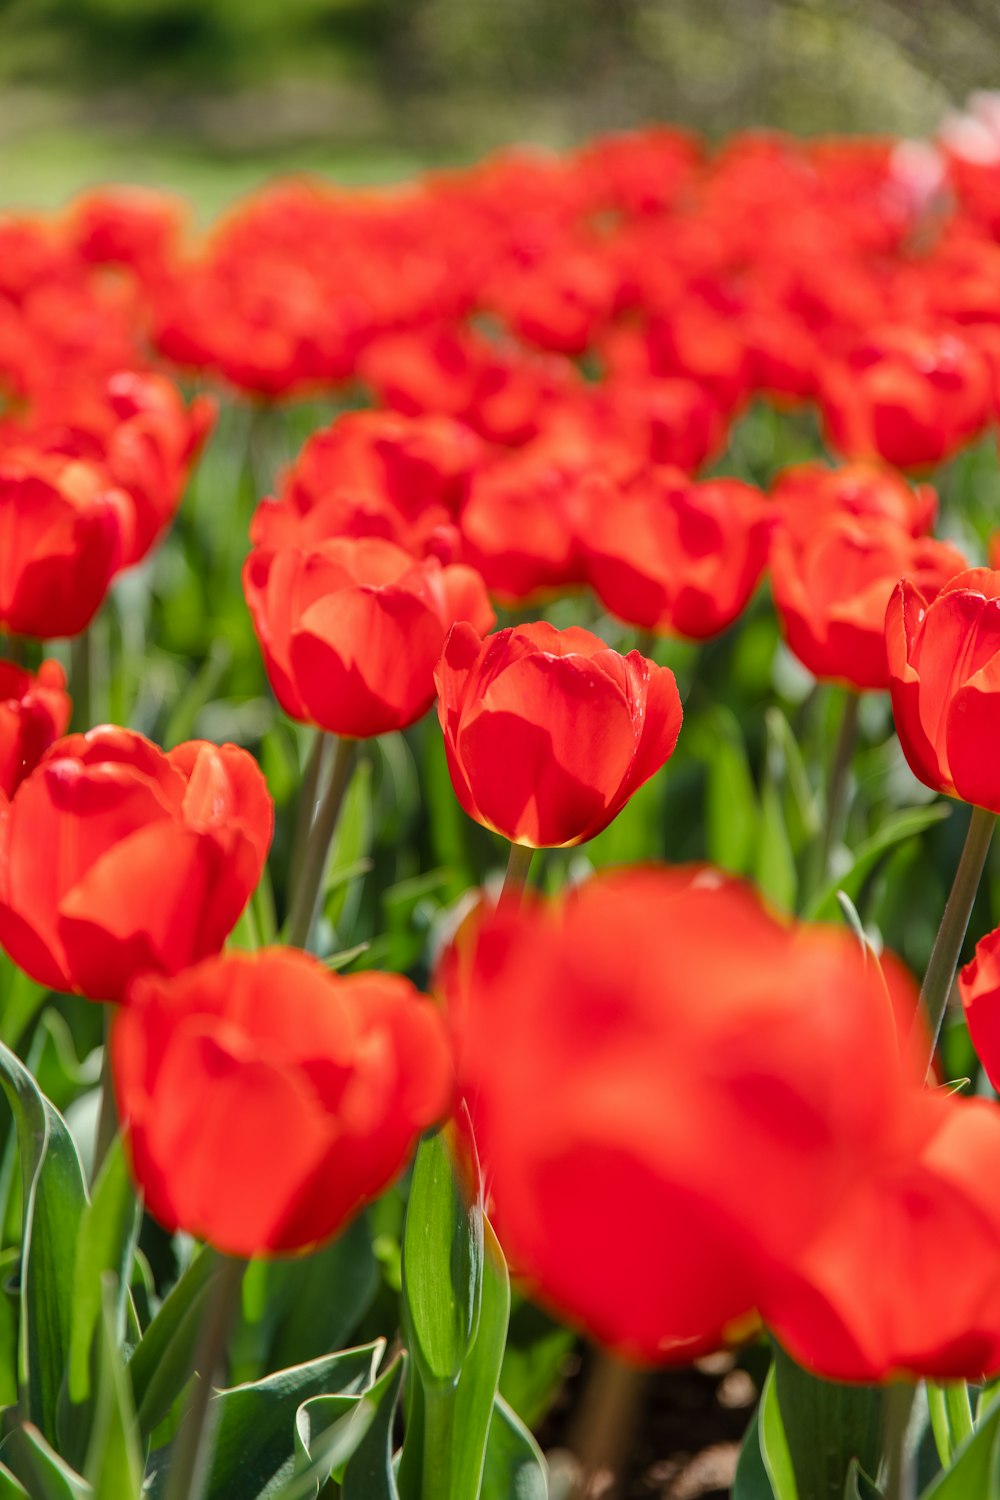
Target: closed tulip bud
117 859
548 732
944 668
267 1100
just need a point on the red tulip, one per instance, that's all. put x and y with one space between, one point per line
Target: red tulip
34 711
63 533
944 668
656 1068
674 556
267 1100
831 586
548 732
351 629
807 493
117 859
979 987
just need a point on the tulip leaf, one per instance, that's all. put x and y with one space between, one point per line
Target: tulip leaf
254 1448
774 1448
443 1257
514 1462
751 1481
327 1431
369 1473
54 1199
731 815
300 1308
10 1488
897 828
114 1462
533 1360
162 1361
950 1412
105 1244
477 1383
39 1468
827 1424
975 1470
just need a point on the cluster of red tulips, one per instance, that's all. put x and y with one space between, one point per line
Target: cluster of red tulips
696 1117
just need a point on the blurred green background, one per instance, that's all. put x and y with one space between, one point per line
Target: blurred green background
207 95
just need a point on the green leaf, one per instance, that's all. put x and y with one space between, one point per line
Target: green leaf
858 1486
515 1468
751 1481
951 1416
369 1474
54 1200
109 1228
163 1359
254 1448
731 816
443 1257
297 1309
827 1425
534 1360
114 1462
896 829
10 1488
975 1471
39 1468
477 1383
774 1445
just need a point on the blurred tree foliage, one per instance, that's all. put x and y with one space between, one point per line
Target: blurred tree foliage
555 69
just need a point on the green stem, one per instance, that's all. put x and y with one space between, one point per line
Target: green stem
188 1462
308 877
900 1472
951 1416
107 1114
308 797
836 789
950 937
607 1421
516 878
439 1431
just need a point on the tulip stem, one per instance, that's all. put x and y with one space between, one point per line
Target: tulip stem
900 1473
606 1425
308 877
308 798
516 878
189 1459
950 936
836 787
107 1112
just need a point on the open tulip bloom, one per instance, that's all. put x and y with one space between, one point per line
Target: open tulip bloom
275 1222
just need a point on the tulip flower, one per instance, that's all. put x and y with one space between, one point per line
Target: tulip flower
944 668
65 528
34 711
208 1063
677 557
660 1116
831 586
117 859
806 494
351 629
979 987
548 732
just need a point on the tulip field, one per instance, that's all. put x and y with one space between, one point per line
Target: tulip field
499 751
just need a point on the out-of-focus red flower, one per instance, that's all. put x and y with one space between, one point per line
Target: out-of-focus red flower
117 859
206 1063
807 493
34 711
129 226
664 420
979 987
831 586
64 530
674 556
351 629
548 732
907 395
944 669
875 1296
659 1114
